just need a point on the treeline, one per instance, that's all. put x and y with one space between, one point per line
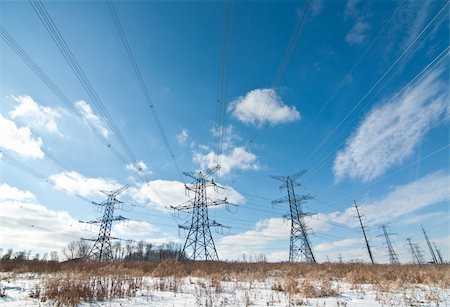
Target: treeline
128 251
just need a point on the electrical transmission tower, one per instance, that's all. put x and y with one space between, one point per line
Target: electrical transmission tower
299 241
101 250
433 256
415 256
438 252
199 244
393 258
419 253
364 233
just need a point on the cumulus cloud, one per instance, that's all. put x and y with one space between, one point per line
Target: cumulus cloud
182 136
322 247
35 115
236 158
254 241
390 131
232 156
76 184
35 227
91 118
8 192
161 194
133 228
262 106
19 139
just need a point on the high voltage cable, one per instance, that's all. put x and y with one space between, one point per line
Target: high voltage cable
376 83
222 81
56 36
67 103
31 171
348 75
429 67
291 46
141 82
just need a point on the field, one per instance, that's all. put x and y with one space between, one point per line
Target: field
172 283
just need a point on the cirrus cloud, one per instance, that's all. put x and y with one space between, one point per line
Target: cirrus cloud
389 133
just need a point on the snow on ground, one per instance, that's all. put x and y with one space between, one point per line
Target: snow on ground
25 290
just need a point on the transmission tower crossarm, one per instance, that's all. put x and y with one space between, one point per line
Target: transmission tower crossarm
281 200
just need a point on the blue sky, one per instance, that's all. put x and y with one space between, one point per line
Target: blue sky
362 104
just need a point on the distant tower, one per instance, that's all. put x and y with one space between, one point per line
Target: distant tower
419 253
433 256
102 250
299 241
364 233
393 259
438 252
413 252
199 244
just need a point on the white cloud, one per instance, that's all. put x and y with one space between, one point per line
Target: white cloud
322 247
232 156
91 118
261 106
35 227
134 228
35 115
139 168
350 9
8 192
161 194
19 139
236 158
357 34
74 183
402 200
253 242
389 133
182 136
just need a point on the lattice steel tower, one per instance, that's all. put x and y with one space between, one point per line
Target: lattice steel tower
101 250
433 255
199 244
393 258
363 228
414 254
299 241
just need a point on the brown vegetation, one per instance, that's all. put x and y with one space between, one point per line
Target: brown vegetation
71 282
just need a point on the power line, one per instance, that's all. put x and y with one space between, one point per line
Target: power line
429 67
67 103
349 74
57 38
141 82
324 140
288 53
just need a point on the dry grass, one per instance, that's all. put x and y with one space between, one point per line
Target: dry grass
80 281
355 273
71 289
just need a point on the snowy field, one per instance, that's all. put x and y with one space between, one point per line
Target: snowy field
28 289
